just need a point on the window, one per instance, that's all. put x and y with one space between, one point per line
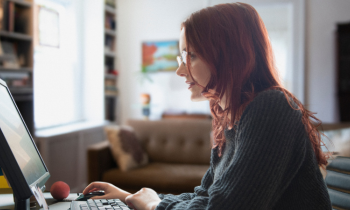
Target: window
280 33
285 21
57 84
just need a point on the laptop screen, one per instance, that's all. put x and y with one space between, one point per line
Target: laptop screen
18 139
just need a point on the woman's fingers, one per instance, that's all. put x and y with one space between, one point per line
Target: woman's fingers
111 191
146 199
129 199
93 190
99 197
129 203
95 185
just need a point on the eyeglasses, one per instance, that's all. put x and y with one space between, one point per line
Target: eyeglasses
182 58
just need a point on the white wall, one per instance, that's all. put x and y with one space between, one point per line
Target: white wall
93 56
150 20
321 19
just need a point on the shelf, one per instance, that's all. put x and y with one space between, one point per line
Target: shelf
109 9
15 35
109 54
109 32
111 95
23 97
19 13
21 3
23 69
21 90
110 76
6 57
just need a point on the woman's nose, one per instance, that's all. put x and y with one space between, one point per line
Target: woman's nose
181 71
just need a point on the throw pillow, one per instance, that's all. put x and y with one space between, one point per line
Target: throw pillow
125 147
340 141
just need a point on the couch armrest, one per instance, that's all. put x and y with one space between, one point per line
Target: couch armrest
100 159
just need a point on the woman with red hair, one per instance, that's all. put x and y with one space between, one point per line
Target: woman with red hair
267 150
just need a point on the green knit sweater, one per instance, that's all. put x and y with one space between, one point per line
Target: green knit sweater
268 163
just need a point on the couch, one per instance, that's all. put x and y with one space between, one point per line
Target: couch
178 151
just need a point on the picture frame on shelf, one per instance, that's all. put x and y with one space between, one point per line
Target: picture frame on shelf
49 27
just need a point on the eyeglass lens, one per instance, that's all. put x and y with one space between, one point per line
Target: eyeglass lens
182 59
179 60
183 56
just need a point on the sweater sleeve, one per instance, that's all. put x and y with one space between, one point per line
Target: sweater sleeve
170 201
269 151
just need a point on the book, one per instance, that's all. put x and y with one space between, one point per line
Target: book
3 182
2 14
11 16
1 52
109 43
110 3
4 186
20 17
9 57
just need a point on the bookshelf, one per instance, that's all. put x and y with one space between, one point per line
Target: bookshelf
16 54
110 71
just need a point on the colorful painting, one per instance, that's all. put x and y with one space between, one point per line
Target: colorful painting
159 56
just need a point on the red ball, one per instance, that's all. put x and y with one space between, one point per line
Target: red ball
60 190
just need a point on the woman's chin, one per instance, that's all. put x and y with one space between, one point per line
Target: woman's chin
198 97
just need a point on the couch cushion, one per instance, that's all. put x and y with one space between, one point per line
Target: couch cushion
175 140
161 177
125 147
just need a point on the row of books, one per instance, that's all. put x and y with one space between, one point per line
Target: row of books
110 107
111 90
16 80
111 87
110 22
110 83
109 43
9 58
110 69
110 3
13 18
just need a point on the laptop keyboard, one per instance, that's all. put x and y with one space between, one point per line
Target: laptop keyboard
110 204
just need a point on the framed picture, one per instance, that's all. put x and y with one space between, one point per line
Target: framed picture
159 56
49 31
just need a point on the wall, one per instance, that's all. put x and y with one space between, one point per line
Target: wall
93 60
321 19
149 20
64 151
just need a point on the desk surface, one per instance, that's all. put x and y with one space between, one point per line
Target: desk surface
6 202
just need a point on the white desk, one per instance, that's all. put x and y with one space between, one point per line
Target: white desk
6 202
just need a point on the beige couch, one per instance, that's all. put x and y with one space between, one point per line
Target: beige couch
179 155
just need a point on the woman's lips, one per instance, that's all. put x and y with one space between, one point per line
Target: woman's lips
191 84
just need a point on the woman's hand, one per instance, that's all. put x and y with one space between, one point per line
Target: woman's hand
111 191
145 199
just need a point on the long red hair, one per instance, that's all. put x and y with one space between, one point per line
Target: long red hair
233 41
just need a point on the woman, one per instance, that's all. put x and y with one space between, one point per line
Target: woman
266 152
